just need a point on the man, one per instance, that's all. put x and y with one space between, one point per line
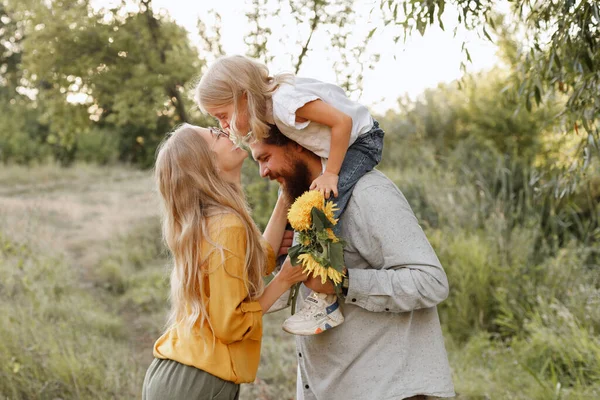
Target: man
390 346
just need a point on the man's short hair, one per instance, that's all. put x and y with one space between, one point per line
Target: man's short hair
276 138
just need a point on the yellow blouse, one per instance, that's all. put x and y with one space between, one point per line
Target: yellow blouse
236 322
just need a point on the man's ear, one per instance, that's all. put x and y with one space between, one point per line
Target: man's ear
297 148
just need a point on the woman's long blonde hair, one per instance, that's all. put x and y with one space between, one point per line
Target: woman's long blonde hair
191 190
228 79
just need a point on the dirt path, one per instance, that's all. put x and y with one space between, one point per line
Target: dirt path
73 215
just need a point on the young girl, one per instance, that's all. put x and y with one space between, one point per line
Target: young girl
245 99
212 343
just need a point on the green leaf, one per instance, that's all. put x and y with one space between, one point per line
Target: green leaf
370 35
338 290
317 223
487 35
588 60
538 95
293 253
336 256
320 220
558 63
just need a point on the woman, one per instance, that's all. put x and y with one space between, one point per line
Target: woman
212 343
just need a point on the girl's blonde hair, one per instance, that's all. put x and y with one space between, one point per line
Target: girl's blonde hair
191 190
226 82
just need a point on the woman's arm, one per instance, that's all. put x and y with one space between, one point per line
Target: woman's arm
276 226
287 276
233 316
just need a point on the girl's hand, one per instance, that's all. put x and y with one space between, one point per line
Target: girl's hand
326 184
290 274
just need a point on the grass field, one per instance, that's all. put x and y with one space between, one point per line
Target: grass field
83 295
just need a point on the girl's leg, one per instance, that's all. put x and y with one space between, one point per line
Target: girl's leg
362 157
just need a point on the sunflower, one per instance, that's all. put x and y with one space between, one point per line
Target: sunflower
334 275
330 209
331 235
299 214
316 242
308 262
312 266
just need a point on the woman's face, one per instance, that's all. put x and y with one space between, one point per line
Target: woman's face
229 157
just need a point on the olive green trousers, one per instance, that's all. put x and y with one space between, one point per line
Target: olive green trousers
170 380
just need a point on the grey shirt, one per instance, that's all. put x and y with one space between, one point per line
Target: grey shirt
390 345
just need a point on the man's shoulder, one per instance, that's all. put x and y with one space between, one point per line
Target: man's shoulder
373 189
371 179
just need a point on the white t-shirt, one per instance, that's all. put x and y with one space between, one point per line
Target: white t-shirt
314 136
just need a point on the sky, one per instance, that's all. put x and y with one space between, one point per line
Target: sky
405 68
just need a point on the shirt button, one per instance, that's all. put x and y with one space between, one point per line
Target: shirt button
354 300
387 309
306 386
299 354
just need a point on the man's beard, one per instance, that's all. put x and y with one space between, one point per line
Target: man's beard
297 182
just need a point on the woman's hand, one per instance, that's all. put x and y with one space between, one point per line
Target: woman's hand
290 274
285 279
286 243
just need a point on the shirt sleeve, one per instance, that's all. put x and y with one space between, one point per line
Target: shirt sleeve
403 272
287 100
271 259
233 317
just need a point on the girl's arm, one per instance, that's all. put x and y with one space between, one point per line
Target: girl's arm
276 226
341 127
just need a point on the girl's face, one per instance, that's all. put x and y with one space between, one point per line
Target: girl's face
229 157
224 114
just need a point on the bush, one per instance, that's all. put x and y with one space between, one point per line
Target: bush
98 146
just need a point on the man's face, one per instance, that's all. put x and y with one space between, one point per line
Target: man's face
284 165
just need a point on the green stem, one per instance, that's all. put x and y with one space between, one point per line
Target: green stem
294 290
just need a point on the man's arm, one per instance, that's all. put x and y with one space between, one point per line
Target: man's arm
403 272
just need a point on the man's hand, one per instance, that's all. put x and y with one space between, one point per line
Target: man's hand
315 285
326 184
286 242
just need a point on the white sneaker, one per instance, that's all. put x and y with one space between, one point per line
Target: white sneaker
320 313
281 303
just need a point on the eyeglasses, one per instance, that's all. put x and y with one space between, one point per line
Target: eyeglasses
218 132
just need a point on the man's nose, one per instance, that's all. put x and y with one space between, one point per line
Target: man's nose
264 171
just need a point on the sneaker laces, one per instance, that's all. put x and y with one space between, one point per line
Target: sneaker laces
309 307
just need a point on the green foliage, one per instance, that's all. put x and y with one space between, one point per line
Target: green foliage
98 147
261 193
559 56
87 71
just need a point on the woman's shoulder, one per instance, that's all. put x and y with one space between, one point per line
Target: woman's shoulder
224 220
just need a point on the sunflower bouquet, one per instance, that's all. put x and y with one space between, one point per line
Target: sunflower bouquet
319 251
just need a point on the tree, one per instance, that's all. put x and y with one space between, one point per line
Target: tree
313 20
117 70
559 51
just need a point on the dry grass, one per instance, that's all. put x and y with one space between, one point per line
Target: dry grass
101 225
